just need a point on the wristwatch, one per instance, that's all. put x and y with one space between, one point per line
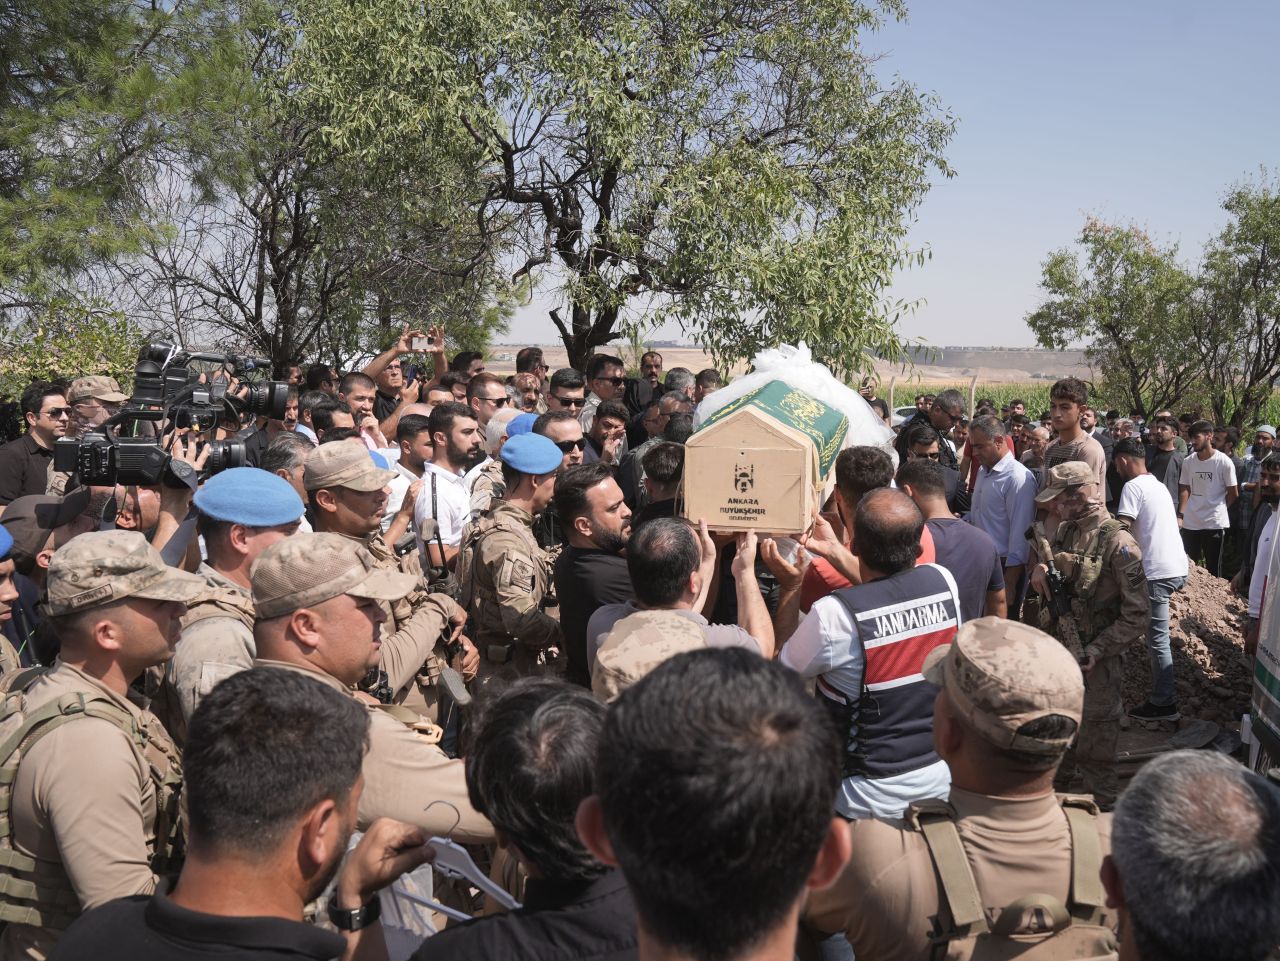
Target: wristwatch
357 918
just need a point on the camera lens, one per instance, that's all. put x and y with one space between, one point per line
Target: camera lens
148 384
267 399
224 454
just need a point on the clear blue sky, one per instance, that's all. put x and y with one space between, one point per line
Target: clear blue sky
1134 110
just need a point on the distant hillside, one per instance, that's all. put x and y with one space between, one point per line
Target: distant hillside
945 364
1032 360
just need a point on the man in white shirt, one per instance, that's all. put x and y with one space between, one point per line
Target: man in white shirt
412 451
1144 504
443 497
1206 489
1004 502
606 376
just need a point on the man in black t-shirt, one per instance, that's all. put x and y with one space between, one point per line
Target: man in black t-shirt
967 552
24 462
591 571
530 766
1164 462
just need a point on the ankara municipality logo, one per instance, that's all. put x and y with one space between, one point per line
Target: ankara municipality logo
744 478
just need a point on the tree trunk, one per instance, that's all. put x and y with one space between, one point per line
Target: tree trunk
586 332
384 316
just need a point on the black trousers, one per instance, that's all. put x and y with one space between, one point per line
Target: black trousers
1206 544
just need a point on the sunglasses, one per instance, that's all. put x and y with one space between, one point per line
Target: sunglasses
616 381
56 413
955 418
570 401
571 445
497 401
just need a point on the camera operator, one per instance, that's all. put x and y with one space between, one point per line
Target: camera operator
92 401
256 443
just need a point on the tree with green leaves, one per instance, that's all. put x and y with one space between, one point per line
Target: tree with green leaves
265 240
1129 301
734 166
68 339
86 95
1237 329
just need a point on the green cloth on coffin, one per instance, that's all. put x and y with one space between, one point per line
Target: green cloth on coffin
824 426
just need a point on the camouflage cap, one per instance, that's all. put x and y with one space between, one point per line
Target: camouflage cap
637 644
1000 674
97 387
104 566
344 464
1074 473
306 569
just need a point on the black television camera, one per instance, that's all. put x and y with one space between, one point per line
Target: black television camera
167 392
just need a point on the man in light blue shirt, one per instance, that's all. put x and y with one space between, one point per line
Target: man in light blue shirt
1004 502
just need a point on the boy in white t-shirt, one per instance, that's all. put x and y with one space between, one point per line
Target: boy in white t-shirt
1145 506
1206 488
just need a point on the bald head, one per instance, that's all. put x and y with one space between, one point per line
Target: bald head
886 529
417 408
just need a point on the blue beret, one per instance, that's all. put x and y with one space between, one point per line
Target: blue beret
247 495
521 425
6 542
531 454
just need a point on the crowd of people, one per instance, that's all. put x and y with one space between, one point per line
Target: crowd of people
436 614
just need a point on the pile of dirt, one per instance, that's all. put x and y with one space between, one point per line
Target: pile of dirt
1206 633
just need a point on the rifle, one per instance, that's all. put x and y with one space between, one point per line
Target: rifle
1059 599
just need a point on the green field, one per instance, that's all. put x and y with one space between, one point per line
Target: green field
1035 394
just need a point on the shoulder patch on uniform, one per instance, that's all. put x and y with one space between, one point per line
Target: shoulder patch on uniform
1135 576
521 574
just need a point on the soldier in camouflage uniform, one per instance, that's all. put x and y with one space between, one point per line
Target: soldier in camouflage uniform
89 794
1102 567
348 494
504 575
320 600
242 512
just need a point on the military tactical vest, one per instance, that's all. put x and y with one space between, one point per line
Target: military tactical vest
1035 927
477 589
215 601
1086 566
885 711
37 892
402 610
220 602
